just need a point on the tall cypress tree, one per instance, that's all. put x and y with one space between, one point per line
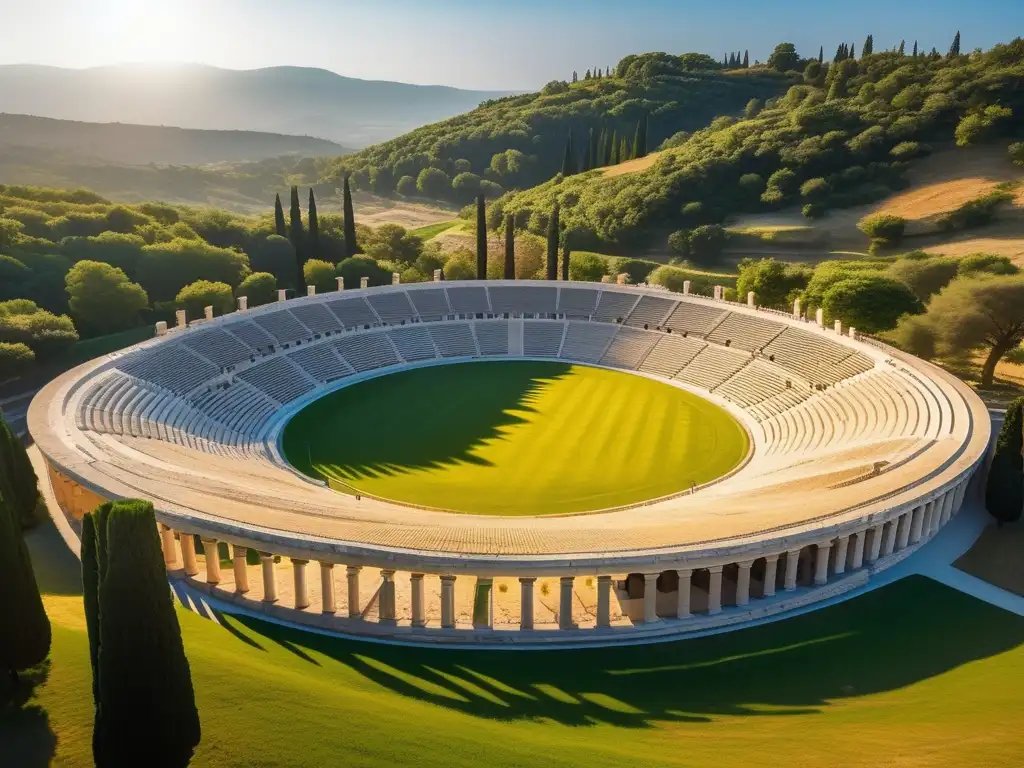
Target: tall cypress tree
602 143
25 629
954 48
746 59
553 232
821 54
351 246
146 712
297 236
853 51
903 48
625 150
314 227
869 46
510 247
642 130
611 149
1004 491
481 238
914 54
568 165
279 226
21 477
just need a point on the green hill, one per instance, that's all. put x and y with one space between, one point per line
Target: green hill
519 141
843 137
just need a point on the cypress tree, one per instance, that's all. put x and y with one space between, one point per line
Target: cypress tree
821 54
586 75
314 227
615 150
746 59
481 238
602 145
643 136
903 48
568 166
21 477
553 231
146 712
635 149
869 46
297 236
624 150
510 247
914 54
279 225
853 51
954 49
585 159
1004 492
25 630
565 256
731 60
351 246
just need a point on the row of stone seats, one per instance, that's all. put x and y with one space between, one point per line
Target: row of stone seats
241 412
650 311
817 359
712 366
757 382
542 339
629 348
170 366
492 337
413 343
392 308
431 304
454 340
218 346
353 313
322 362
745 332
527 300
279 379
587 342
671 354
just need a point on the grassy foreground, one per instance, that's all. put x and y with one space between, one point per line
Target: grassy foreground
515 438
912 675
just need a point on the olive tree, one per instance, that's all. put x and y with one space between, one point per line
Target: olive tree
102 299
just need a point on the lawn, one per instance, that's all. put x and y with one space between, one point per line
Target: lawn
430 231
915 674
515 438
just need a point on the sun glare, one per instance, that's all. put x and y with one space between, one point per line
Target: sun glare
143 30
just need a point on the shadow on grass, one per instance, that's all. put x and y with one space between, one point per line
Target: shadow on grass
453 410
888 639
26 738
57 570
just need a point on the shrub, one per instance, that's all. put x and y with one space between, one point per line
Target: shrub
260 288
872 303
707 243
356 267
319 274
1017 152
813 211
461 265
194 298
884 228
977 212
908 150
103 299
15 360
406 186
989 263
587 267
637 269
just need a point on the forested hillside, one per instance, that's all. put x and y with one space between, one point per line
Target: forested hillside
843 136
519 141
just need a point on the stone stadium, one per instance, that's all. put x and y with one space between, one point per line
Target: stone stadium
858 453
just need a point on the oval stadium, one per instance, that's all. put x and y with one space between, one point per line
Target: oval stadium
517 462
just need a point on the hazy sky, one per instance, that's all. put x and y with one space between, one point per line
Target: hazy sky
513 44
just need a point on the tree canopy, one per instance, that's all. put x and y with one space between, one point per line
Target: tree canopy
103 299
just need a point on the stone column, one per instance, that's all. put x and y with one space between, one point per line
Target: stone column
903 530
526 584
771 570
933 521
188 554
792 558
876 543
821 563
241 569
299 575
448 602
386 602
650 597
947 508
328 600
842 547
212 562
683 596
743 583
419 608
916 524
715 590
167 545
341 283
604 594
890 539
352 574
796 308
269 578
565 603
859 538
364 282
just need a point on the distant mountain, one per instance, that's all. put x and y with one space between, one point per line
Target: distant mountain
290 100
147 144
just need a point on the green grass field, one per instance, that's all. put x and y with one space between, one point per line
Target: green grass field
515 438
431 231
913 675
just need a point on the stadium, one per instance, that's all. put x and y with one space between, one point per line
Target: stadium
521 463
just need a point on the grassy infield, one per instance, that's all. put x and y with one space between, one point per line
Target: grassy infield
515 438
915 674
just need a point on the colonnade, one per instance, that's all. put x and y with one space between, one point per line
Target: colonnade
699 590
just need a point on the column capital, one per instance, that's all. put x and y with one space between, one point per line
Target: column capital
649 577
266 556
326 566
350 569
298 561
745 564
771 558
448 578
567 579
684 573
416 576
387 574
715 568
794 552
533 579
825 544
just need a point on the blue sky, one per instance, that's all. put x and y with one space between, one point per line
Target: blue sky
515 44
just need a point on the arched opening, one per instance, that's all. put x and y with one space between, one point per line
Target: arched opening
730 578
700 584
758 571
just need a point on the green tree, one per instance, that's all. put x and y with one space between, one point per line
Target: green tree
433 182
392 242
314 227
146 712
871 303
587 267
19 478
510 247
297 235
49 336
460 265
481 238
869 46
954 48
14 277
883 228
261 288
15 360
406 186
351 246
979 126
566 256
983 313
275 255
280 229
707 243
784 58
114 248
102 299
166 268
25 630
195 297
1017 153
354 268
1004 491
753 108
568 159
924 276
773 282
320 274
553 234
